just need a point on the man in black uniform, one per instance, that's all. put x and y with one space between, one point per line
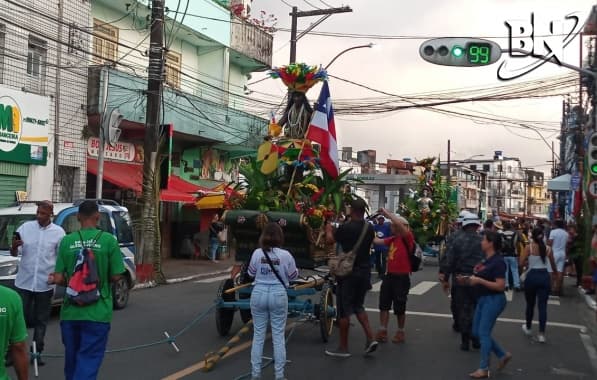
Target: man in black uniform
462 255
352 289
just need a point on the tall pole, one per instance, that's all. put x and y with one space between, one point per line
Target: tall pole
293 39
448 176
99 184
150 233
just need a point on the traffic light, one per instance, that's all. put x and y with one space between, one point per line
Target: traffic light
460 51
592 153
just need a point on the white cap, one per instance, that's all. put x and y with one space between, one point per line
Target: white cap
470 218
461 216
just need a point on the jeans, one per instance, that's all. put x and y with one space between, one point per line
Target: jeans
536 287
269 303
512 267
214 243
84 348
37 307
488 309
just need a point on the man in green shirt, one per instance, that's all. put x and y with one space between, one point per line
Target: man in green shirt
13 333
85 328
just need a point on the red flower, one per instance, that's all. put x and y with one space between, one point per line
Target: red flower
315 197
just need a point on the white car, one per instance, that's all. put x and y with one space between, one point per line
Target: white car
114 219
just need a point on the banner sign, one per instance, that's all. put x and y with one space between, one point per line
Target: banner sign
121 151
24 127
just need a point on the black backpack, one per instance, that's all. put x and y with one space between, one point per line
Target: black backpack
509 243
415 261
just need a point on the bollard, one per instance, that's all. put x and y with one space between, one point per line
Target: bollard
35 368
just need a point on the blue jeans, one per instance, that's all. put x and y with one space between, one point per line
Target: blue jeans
512 266
536 287
488 309
214 243
84 348
269 303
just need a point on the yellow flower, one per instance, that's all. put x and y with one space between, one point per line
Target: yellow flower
318 213
312 187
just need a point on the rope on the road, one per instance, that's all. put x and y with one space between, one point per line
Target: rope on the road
169 339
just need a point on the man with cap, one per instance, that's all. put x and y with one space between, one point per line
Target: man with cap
352 289
37 242
380 251
396 283
462 255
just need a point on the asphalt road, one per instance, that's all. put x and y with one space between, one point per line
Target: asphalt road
430 352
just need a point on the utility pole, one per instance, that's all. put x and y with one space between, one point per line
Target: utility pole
295 14
150 239
448 177
99 184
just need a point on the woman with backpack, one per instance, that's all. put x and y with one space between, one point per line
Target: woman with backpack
537 283
273 269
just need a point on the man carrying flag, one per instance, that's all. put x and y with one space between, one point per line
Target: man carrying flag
322 130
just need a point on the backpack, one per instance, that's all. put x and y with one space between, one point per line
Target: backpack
415 261
83 286
508 243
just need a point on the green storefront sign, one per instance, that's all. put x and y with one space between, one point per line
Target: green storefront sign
23 127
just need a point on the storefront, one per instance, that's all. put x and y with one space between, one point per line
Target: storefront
24 127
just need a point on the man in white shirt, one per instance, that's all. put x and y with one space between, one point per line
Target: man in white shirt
37 241
558 238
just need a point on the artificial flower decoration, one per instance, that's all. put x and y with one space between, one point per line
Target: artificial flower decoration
299 77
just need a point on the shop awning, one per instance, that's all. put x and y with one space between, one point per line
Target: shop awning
122 174
561 183
180 190
211 201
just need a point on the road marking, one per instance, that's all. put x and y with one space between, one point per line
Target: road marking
199 365
591 351
212 279
422 287
375 287
553 302
581 328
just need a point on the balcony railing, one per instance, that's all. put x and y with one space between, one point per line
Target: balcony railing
251 41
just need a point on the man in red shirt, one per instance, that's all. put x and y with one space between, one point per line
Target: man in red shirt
396 282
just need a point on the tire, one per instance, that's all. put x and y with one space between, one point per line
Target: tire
326 322
225 316
120 293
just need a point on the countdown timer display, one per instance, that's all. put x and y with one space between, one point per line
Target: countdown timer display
478 53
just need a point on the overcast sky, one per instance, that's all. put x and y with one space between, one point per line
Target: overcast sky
397 68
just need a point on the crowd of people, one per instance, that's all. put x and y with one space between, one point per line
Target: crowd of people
50 257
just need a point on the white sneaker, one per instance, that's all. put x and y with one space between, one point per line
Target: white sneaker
541 338
526 331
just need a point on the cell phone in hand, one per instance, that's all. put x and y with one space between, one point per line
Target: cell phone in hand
16 236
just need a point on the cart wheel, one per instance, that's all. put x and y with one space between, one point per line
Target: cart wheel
224 316
245 314
326 321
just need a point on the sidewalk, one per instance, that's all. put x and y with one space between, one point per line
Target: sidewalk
179 270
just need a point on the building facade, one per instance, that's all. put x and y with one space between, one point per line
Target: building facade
470 186
43 78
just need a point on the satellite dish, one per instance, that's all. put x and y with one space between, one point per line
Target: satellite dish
111 127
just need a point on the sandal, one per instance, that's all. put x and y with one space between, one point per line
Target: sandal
504 361
479 374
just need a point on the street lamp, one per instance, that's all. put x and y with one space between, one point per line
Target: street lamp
369 45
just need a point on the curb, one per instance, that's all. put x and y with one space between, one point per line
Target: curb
152 284
591 303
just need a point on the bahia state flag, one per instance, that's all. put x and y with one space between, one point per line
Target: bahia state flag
322 130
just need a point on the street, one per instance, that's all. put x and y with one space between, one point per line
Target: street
430 352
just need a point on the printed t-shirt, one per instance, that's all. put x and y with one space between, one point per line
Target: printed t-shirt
283 263
109 263
12 323
490 269
382 231
398 262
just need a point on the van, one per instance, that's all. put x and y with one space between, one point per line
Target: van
114 219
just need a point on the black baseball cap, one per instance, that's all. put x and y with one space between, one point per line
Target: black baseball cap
358 205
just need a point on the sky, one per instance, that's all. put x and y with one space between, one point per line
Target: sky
395 66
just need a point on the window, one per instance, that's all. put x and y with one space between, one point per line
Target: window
486 167
71 223
124 232
105 42
173 66
473 167
36 64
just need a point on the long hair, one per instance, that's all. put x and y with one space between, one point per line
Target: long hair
495 239
271 237
537 236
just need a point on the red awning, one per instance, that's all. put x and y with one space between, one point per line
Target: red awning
180 190
122 174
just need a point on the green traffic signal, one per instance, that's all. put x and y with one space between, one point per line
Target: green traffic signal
594 169
457 51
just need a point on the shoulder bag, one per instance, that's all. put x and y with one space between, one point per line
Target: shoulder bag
271 265
342 265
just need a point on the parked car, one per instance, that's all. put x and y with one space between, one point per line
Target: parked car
114 219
